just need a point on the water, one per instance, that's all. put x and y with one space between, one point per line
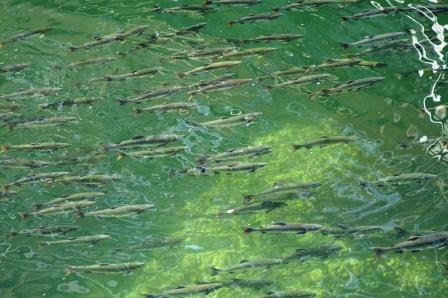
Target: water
382 116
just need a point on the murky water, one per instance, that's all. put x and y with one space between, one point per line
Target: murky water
398 126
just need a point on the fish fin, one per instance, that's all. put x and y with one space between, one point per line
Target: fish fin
280 224
202 159
378 251
248 230
244 261
24 216
121 155
138 110
343 226
413 238
248 199
345 45
215 271
68 271
37 206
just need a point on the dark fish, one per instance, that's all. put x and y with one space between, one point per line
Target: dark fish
186 8
42 122
289 294
184 31
371 13
70 198
35 178
281 227
352 85
121 211
34 146
247 264
101 267
342 230
223 85
24 34
87 179
204 53
247 52
131 75
200 288
231 154
225 168
268 38
268 206
378 39
255 17
15 67
303 254
157 93
107 39
232 120
280 191
211 66
301 4
31 93
139 141
416 243
325 141
19 163
153 153
400 179
70 102
90 240
49 231
302 80
167 107
10 106
211 82
232 2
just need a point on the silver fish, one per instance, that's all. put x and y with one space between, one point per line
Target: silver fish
91 240
281 190
74 197
400 179
325 141
247 264
102 267
225 168
121 211
31 93
167 107
145 140
14 67
416 243
281 227
231 154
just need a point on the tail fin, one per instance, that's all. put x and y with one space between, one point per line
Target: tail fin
378 251
122 102
248 230
72 48
248 199
138 110
181 74
363 183
68 271
5 149
202 159
42 244
230 23
37 206
344 45
215 271
24 216
269 87
121 155
297 146
344 19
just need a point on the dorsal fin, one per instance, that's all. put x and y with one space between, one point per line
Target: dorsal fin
280 224
413 238
180 287
300 249
244 261
343 226
138 137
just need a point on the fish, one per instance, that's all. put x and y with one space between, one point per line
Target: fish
212 82
201 9
268 206
232 120
10 106
153 94
289 294
352 85
34 178
153 153
325 141
139 141
84 62
255 17
91 240
18 163
246 52
56 209
390 46
42 122
47 231
268 38
416 243
203 53
232 2
104 268
166 107
14 67
70 102
251 152
199 288
121 211
342 230
107 39
371 13
400 179
24 34
30 93
35 146
303 254
74 197
219 86
6 193
302 80
247 264
225 168
378 39
281 227
184 31
208 67
314 3
280 190
88 179
130 75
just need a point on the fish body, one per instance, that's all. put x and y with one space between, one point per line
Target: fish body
211 66
247 264
400 179
325 141
341 230
88 179
91 240
303 80
219 86
280 191
35 146
201 9
289 294
372 40
226 168
35 178
10 106
168 107
247 52
31 92
66 103
205 53
121 211
416 243
232 120
268 206
70 198
49 231
131 75
232 2
70 206
101 267
255 17
202 288
153 153
303 254
281 227
352 85
145 140
13 68
42 122
231 154
24 34
301 4
25 163
269 38
153 94
373 13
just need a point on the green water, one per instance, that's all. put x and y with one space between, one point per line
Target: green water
382 116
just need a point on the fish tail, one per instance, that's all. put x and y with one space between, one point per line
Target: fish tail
181 74
68 271
138 110
122 102
215 271
24 216
269 87
42 244
344 19
72 48
5 149
121 155
37 206
79 213
248 198
202 159
296 146
344 45
206 2
378 251
400 231
230 23
363 183
248 230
